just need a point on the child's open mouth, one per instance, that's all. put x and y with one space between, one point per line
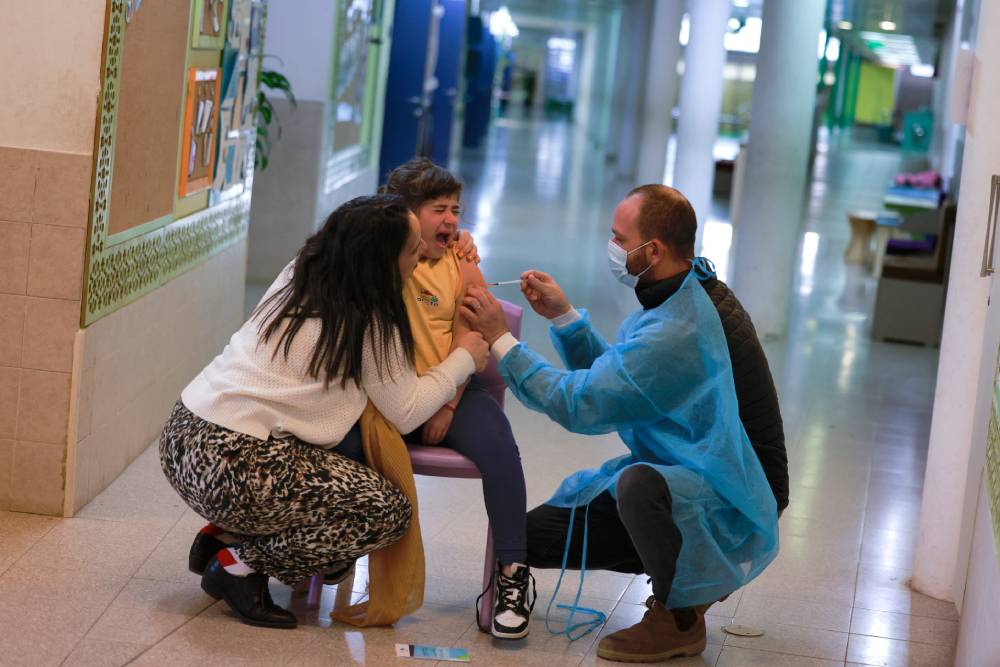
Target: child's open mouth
443 239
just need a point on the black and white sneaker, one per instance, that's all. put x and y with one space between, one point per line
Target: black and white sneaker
511 606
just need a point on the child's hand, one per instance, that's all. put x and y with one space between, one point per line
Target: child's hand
437 426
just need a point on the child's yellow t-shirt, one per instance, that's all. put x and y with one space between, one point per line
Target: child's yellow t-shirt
431 296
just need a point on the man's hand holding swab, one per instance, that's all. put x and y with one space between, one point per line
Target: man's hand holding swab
544 294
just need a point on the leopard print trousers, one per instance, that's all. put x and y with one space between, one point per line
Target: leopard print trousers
296 509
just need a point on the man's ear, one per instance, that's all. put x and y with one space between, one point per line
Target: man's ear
660 250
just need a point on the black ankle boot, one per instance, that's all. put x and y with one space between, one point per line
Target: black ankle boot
203 548
248 597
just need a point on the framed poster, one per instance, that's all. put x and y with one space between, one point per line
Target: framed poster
359 60
352 73
208 24
200 125
238 91
251 79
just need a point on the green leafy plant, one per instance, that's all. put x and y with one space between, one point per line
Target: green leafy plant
266 114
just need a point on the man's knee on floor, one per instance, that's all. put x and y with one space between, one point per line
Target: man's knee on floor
640 484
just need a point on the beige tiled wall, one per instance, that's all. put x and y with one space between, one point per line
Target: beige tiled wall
134 363
106 390
43 220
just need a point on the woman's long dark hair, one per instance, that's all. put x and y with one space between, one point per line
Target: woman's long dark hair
346 276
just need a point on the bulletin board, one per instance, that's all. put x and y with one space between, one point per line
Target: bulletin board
160 97
154 53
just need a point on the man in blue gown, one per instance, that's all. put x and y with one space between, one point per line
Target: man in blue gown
690 504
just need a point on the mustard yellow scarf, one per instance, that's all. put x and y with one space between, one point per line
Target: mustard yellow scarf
395 573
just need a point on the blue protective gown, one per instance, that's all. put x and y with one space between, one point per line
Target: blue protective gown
666 387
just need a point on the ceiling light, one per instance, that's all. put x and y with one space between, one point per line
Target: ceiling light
501 23
921 70
561 44
845 25
887 25
741 3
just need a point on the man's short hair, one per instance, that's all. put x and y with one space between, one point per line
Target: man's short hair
667 215
419 181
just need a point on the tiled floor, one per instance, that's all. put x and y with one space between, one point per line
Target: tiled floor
111 587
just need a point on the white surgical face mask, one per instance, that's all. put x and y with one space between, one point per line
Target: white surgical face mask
618 261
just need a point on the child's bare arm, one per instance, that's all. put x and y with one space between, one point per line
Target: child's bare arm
471 275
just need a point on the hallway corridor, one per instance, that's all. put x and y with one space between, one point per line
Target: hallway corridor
110 586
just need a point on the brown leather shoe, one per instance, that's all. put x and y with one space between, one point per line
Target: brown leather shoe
654 638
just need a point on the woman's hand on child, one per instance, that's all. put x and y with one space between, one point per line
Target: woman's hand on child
474 344
437 426
484 314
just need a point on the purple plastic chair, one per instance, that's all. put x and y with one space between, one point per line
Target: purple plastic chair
436 461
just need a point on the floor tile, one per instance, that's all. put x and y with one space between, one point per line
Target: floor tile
888 589
761 611
604 585
795 640
141 493
813 587
43 620
90 548
889 548
905 627
708 658
894 653
146 611
102 653
353 647
169 559
539 640
733 656
217 637
20 532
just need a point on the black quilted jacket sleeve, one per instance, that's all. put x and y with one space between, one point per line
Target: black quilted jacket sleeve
755 391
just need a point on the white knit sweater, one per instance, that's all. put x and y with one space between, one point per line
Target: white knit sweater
250 390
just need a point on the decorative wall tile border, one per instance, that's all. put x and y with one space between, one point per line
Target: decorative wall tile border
118 274
126 271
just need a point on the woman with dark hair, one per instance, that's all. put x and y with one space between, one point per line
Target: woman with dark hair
257 443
